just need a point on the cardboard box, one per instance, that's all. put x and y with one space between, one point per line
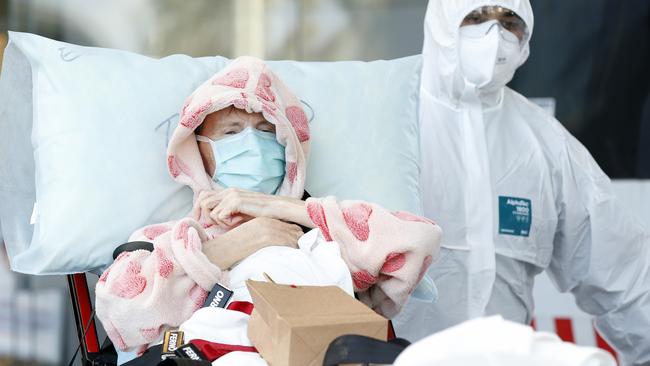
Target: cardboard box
293 325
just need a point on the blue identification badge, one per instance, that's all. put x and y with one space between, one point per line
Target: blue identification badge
515 216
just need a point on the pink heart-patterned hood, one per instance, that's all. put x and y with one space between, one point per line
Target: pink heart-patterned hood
248 84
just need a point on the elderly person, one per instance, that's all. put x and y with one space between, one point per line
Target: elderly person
242 145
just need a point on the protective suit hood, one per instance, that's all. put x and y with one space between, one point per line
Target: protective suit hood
442 77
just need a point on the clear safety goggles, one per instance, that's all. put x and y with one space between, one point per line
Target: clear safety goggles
511 23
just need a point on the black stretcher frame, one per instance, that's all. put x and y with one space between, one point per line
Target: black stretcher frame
91 353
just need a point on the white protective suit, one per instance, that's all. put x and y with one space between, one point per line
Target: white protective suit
516 194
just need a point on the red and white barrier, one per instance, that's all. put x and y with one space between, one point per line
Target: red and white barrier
578 330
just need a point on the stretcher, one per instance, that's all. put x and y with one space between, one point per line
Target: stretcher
93 352
338 114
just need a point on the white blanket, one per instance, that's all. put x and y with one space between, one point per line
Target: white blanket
316 262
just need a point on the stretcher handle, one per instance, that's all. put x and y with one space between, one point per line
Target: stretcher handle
132 246
354 349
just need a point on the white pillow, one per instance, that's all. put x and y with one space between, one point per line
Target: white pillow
99 120
17 189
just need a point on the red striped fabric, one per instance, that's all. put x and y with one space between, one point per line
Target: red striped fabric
241 306
602 344
213 350
564 330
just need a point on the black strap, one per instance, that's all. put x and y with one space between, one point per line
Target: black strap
152 356
183 362
131 246
354 349
148 358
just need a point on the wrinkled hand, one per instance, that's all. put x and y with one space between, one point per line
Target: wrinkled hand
263 232
251 236
233 206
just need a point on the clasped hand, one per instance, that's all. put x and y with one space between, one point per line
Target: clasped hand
254 221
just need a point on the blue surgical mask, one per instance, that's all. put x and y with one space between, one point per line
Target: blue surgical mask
251 160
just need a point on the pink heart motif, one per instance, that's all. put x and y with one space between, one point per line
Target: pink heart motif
356 218
240 103
268 109
130 283
104 275
152 232
394 262
177 167
181 233
198 296
189 236
165 265
292 171
362 280
298 120
235 79
317 215
194 118
150 334
263 89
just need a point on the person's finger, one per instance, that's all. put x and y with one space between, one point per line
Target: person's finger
292 232
207 205
240 201
226 193
295 227
295 238
234 220
206 202
246 218
292 228
292 241
209 202
214 216
224 211
201 196
206 213
228 213
205 194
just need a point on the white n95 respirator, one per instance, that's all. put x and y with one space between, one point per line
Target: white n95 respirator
489 54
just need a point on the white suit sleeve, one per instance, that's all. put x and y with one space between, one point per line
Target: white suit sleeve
602 254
